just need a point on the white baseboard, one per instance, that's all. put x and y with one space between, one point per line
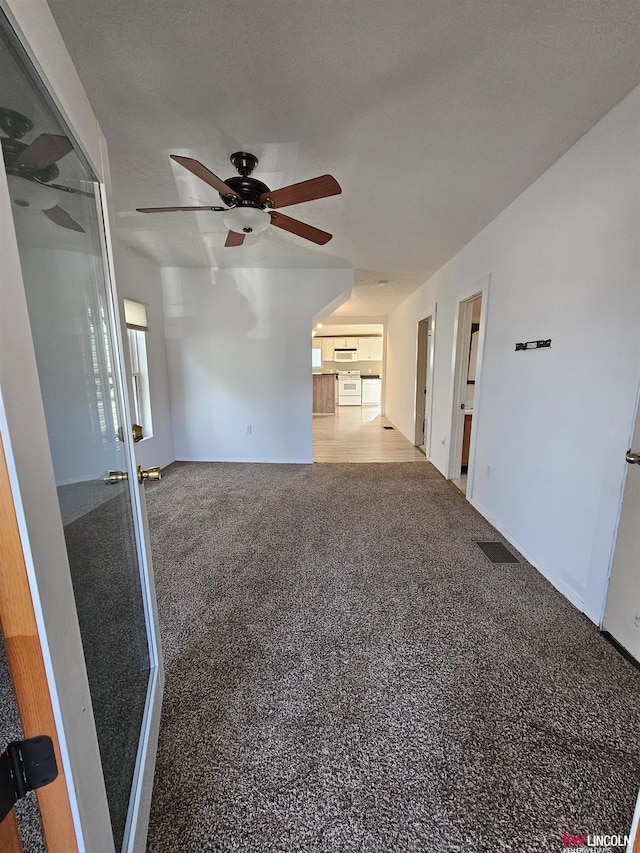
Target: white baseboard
240 459
73 481
575 598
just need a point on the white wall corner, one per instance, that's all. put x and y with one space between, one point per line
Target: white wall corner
335 303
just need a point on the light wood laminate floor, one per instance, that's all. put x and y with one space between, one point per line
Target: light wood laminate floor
357 434
461 483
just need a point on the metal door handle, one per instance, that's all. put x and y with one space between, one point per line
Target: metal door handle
154 473
136 430
115 477
632 457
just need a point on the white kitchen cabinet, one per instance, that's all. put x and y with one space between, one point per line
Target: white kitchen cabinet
345 343
369 349
376 349
327 348
371 392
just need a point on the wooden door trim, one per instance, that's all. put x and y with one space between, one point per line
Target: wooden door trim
10 841
421 381
460 354
26 664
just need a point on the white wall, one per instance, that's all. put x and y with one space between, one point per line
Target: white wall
141 280
554 424
239 354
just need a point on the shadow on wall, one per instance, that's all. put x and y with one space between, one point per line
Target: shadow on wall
217 307
230 310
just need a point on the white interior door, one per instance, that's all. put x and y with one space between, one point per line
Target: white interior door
52 202
622 609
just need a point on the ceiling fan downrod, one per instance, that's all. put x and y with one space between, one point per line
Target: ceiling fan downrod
244 162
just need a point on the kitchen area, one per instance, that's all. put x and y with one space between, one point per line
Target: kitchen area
348 424
347 368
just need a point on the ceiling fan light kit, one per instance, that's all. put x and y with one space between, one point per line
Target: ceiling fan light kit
251 204
246 220
28 195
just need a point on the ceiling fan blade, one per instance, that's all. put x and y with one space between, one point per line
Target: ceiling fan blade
61 217
300 228
200 171
70 190
48 148
175 209
234 239
309 190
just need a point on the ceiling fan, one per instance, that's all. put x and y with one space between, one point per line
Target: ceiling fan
32 167
250 203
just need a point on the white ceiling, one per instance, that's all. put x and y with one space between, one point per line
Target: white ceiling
432 114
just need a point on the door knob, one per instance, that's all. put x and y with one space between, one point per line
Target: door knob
632 457
154 473
114 477
136 430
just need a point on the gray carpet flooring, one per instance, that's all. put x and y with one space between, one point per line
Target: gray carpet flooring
106 587
346 671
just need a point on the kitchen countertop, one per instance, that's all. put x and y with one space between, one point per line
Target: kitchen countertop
363 376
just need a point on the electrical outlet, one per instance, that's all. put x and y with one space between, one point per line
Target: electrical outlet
488 472
249 430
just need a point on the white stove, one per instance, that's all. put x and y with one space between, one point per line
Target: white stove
349 388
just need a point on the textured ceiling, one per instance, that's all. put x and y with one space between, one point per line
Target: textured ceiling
432 114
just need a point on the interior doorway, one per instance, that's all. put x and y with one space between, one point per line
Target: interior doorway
424 384
622 609
468 347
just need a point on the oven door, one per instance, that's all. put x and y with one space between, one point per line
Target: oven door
349 391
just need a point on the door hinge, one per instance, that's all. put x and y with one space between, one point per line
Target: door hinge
25 765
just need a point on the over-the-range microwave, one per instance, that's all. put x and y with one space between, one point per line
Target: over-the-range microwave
345 355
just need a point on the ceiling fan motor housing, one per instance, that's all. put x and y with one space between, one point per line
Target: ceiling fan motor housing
249 190
14 124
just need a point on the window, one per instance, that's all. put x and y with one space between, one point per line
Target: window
136 317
